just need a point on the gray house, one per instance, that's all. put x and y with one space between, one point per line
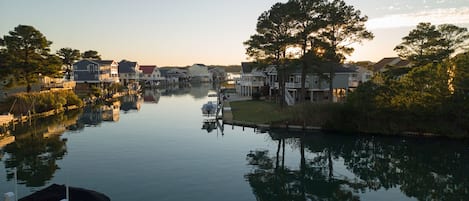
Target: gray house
129 72
100 73
317 87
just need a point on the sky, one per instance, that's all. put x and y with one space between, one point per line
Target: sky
212 32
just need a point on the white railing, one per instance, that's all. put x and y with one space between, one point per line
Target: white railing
289 98
252 83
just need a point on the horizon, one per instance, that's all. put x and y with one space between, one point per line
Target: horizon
183 33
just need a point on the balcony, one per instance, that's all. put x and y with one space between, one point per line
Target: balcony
252 83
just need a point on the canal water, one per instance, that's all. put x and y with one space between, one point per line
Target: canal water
157 147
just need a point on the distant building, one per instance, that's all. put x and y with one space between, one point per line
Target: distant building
199 73
150 75
174 75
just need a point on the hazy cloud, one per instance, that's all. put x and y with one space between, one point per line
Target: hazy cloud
435 16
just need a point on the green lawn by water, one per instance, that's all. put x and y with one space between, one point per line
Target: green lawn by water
259 112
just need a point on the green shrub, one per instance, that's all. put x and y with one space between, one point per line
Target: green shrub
43 102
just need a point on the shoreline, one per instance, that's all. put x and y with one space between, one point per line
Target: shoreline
227 118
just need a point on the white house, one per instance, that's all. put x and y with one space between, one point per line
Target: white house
252 79
199 73
151 75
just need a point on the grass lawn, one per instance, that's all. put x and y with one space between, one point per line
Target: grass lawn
260 112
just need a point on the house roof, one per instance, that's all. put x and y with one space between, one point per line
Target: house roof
339 68
147 69
127 66
390 61
246 67
103 62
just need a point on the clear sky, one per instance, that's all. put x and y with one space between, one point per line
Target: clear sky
183 32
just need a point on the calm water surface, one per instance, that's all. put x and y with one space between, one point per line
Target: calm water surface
154 148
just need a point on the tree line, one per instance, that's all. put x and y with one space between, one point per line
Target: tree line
25 53
430 96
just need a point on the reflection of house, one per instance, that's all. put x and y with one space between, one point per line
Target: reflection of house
152 96
133 102
252 79
128 72
87 73
199 73
90 117
111 112
390 63
151 75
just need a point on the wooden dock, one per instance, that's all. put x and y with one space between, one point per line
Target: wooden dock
5 119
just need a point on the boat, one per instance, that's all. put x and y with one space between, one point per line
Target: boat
57 192
209 108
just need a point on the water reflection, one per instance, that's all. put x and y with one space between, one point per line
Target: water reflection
151 95
131 102
176 90
196 90
36 148
426 169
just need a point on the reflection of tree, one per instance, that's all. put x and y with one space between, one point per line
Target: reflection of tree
37 148
428 169
311 182
425 169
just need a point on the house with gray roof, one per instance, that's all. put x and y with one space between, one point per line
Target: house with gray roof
101 73
252 79
129 72
174 75
344 80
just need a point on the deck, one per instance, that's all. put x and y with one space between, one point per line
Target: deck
6 119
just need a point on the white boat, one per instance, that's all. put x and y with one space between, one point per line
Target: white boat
209 108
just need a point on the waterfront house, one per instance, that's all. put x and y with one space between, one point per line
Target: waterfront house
98 73
363 74
48 83
199 73
174 75
317 87
252 79
150 75
129 72
390 63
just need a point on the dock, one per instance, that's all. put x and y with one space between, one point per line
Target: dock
6 119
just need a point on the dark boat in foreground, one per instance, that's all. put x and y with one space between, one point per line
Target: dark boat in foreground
57 192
